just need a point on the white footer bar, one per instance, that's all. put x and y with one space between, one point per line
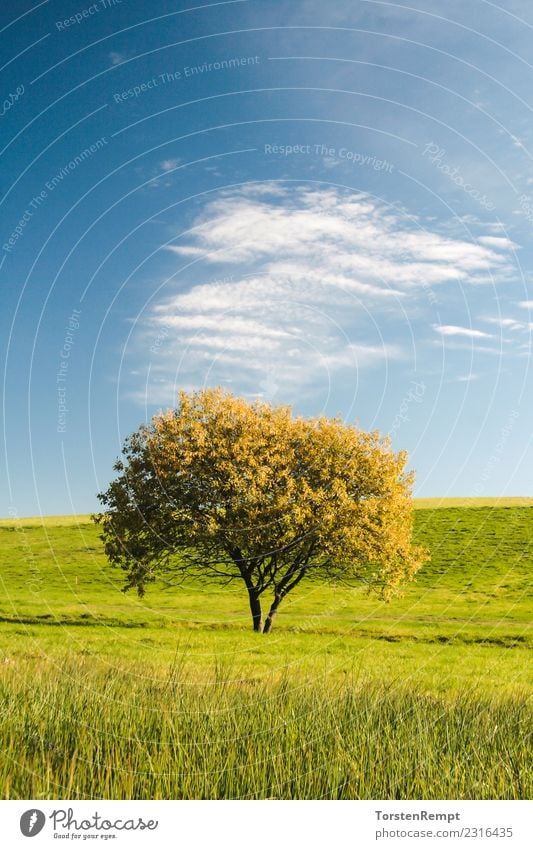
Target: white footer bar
268 824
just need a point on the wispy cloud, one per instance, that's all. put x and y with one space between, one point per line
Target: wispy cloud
117 58
498 242
311 282
455 330
508 323
466 378
362 241
169 164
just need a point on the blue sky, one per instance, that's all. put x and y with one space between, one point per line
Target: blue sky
322 204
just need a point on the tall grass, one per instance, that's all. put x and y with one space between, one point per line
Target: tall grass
86 732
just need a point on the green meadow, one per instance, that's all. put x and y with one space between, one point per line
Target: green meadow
105 695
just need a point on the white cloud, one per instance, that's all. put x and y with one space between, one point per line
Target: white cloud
466 378
528 305
117 58
326 230
498 242
454 330
169 164
361 355
313 285
226 324
509 323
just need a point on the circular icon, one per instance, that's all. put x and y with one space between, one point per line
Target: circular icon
32 822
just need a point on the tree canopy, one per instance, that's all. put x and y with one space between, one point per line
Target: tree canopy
223 489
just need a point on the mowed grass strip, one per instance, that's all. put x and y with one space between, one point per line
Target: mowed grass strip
433 503
442 503
85 733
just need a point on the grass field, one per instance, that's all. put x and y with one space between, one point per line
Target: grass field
426 697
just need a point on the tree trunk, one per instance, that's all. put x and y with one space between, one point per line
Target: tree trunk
271 613
255 607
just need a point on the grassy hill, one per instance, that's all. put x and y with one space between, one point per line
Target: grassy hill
465 620
104 695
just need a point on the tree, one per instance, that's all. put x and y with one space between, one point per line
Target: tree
225 490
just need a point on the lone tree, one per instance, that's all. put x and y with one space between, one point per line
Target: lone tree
222 489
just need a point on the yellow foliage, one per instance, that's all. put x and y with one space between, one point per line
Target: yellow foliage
223 488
